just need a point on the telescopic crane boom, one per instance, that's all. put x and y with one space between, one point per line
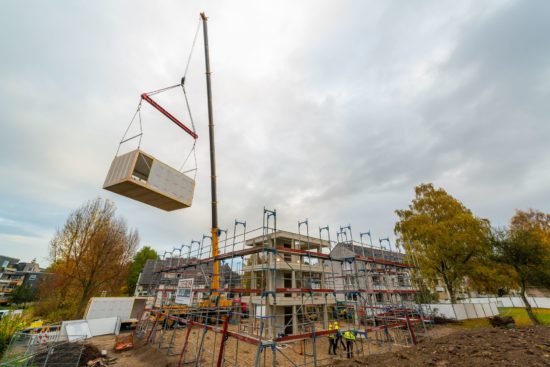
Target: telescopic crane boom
215 284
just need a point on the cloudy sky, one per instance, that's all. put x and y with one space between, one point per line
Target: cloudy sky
327 110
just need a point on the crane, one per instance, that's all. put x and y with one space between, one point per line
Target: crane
215 231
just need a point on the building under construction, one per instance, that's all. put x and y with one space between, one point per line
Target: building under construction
265 293
278 293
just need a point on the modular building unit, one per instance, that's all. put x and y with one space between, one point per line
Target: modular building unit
141 177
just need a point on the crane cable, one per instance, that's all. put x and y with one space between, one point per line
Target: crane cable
138 112
193 149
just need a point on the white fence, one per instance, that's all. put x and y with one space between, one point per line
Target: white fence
535 302
463 311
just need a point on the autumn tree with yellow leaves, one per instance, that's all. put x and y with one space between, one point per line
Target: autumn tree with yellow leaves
443 237
90 256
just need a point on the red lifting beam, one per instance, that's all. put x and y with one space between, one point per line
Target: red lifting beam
145 97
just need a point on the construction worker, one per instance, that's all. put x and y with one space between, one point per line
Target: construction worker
331 340
338 337
349 336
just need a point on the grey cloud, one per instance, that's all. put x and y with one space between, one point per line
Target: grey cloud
328 111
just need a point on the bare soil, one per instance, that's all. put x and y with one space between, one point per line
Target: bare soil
448 346
528 346
291 354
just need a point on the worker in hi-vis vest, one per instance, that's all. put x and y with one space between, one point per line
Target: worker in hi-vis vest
349 336
338 337
331 340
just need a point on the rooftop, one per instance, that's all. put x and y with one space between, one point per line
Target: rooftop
304 241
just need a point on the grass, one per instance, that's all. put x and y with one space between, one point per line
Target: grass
518 314
474 323
522 319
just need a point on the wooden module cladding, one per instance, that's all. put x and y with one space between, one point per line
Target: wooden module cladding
139 176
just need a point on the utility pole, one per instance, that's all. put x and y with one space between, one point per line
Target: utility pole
215 250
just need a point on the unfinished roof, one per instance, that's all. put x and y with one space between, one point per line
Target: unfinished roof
281 236
344 250
150 273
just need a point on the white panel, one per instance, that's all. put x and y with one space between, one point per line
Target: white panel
542 302
102 307
444 309
487 309
508 301
260 311
517 302
170 181
460 311
494 308
470 311
479 310
104 326
537 302
75 330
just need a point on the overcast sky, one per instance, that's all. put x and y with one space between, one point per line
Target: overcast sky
327 110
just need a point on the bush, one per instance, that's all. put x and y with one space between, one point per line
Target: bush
9 325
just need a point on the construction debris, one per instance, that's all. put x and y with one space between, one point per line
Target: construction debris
101 362
124 342
505 321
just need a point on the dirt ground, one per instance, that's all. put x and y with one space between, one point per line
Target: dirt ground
448 346
529 346
239 353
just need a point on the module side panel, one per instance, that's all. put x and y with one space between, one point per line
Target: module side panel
121 169
172 182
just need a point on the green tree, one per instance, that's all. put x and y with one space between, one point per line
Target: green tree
443 236
490 277
22 294
524 248
138 263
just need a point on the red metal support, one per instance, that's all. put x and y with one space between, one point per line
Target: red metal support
182 354
410 327
148 340
215 329
222 344
145 97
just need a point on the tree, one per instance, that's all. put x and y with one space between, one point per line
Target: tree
138 263
524 248
90 255
445 239
22 294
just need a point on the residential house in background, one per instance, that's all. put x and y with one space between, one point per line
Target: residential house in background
14 273
151 281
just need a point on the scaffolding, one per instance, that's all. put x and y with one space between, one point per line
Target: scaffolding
278 293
